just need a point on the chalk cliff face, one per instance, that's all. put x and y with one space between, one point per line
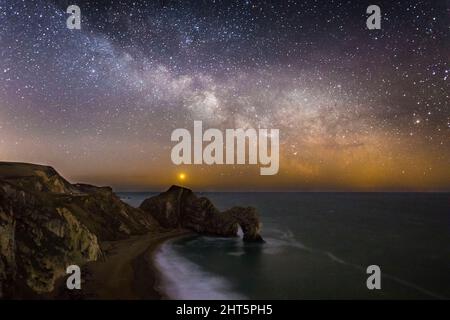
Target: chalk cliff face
38 241
47 224
179 207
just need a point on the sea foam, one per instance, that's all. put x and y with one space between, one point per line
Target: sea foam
183 279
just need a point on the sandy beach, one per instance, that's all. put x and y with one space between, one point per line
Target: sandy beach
126 271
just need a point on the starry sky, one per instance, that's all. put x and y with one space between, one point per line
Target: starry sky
357 109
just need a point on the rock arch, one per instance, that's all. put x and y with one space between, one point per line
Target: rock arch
179 207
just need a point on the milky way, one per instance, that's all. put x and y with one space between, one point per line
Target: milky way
357 109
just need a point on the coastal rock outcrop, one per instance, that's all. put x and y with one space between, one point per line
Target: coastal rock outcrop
47 224
38 241
179 207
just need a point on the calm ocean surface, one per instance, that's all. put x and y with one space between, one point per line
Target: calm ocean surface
318 247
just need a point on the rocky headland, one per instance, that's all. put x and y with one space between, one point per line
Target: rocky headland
48 223
179 207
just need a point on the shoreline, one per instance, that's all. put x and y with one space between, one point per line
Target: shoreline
127 271
158 274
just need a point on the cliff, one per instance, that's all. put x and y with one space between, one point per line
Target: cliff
179 207
47 223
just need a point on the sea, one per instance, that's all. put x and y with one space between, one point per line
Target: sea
318 246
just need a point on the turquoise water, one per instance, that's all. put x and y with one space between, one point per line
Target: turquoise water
318 247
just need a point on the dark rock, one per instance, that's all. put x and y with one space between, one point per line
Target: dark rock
38 241
179 207
47 224
34 177
248 219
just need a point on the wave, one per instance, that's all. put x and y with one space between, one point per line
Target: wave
184 280
286 238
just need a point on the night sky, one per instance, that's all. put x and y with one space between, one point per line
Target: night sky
357 109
